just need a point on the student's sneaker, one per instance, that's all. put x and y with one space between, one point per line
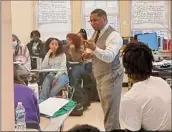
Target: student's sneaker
86 106
78 110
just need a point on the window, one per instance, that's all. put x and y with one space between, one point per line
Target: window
111 8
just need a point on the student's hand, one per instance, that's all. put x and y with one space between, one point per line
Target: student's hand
13 51
90 44
87 55
50 51
71 46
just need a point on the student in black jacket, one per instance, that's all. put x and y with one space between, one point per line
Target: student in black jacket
36 47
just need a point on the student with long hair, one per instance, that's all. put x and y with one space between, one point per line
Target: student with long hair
24 94
83 35
21 53
55 59
76 71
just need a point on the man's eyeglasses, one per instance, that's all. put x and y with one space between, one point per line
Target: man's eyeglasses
94 20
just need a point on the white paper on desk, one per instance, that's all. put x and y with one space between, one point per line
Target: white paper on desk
44 70
48 70
52 105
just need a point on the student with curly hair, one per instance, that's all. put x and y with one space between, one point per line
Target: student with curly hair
147 105
56 59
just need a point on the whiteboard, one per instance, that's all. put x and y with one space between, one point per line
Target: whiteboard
152 14
54 19
111 8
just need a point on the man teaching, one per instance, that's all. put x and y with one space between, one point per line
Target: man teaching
105 45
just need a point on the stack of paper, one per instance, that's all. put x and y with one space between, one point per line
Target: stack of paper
52 105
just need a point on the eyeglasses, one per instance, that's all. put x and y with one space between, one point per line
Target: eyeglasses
94 20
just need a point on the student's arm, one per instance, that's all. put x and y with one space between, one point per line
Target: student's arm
45 61
62 66
130 114
27 62
29 47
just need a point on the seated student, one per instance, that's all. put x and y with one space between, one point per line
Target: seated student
21 53
24 94
35 47
147 105
84 128
55 59
76 71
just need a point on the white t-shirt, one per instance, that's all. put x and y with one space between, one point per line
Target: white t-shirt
147 105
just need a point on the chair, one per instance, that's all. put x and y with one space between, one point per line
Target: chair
66 92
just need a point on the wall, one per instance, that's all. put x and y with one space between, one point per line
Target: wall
24 18
6 70
125 18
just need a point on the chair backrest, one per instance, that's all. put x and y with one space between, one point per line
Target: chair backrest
33 125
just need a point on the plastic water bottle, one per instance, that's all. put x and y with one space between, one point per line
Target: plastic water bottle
20 117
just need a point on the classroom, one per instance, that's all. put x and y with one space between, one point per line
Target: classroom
86 65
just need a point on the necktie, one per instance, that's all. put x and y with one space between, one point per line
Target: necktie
97 36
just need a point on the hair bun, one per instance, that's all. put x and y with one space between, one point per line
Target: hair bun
82 30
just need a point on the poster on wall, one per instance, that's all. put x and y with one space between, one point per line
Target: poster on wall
54 19
149 14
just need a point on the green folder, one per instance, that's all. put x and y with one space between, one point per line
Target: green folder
71 104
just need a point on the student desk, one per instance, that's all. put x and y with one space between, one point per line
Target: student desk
18 62
43 70
53 124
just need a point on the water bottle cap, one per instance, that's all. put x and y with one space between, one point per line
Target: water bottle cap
19 103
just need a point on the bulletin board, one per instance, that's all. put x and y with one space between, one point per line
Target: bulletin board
151 16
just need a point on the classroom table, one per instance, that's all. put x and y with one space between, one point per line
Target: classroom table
54 124
44 70
18 62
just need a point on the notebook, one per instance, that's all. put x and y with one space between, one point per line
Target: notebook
52 105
